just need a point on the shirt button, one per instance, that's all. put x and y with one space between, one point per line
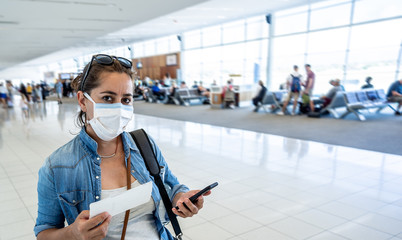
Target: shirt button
73 201
97 158
132 171
97 177
97 197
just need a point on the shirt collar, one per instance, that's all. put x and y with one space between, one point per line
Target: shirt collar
128 141
88 141
93 145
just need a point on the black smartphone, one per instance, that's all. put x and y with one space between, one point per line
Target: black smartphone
193 198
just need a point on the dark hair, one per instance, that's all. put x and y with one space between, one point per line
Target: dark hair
295 67
308 65
92 81
368 79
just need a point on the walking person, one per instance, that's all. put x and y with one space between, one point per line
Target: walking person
59 91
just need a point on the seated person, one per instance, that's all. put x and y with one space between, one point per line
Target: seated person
167 80
195 85
368 83
395 94
183 85
147 82
202 90
228 95
141 90
261 91
159 93
172 98
336 86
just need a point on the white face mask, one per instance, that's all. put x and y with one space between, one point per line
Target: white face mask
109 120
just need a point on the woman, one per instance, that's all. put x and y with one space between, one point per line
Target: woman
92 166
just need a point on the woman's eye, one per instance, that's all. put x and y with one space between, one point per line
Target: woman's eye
107 98
126 100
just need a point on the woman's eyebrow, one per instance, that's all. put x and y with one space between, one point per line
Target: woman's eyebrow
115 94
109 92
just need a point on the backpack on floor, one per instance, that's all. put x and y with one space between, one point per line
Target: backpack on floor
314 114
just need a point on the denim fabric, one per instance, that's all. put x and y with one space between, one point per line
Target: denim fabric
70 180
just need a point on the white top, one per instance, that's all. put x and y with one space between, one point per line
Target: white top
141 223
3 89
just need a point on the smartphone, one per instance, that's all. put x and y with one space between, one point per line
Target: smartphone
194 198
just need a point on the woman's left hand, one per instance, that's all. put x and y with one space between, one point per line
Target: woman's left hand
186 207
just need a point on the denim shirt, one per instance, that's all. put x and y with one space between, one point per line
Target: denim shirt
70 180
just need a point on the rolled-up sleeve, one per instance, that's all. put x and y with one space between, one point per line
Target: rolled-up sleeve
50 214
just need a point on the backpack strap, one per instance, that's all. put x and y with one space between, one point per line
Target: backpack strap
127 214
144 145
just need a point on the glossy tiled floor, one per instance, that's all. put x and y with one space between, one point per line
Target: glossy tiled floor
270 187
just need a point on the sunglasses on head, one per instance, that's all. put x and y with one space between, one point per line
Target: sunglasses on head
104 60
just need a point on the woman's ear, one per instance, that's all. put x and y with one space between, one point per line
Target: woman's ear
81 101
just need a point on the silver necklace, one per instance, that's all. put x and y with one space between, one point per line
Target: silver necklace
110 156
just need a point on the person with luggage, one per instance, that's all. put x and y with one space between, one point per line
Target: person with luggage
293 84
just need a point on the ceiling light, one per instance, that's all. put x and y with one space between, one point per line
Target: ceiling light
9 22
98 19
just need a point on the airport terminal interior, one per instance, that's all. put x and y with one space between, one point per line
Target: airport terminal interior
277 178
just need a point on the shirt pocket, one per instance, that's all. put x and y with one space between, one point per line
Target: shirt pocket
72 203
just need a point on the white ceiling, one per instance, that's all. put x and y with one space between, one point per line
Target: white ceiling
40 32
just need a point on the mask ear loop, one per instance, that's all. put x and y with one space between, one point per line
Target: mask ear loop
86 95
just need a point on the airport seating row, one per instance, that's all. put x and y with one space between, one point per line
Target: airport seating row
353 101
357 101
186 96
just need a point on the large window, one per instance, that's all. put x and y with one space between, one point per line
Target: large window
211 36
233 32
226 50
192 68
367 10
288 51
192 39
211 64
257 28
374 52
330 16
326 54
291 21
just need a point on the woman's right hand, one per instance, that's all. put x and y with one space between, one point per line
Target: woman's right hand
84 228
